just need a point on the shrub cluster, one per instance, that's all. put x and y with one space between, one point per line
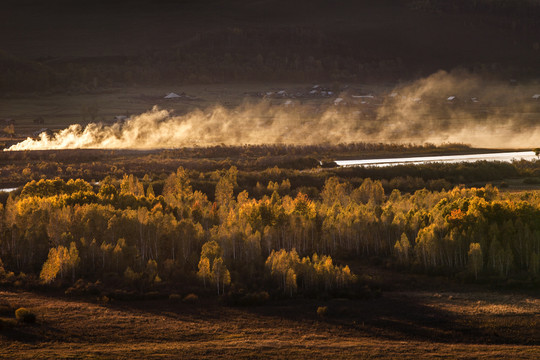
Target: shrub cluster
25 315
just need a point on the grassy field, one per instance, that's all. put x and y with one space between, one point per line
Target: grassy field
416 317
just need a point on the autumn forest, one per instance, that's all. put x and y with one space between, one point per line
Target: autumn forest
275 179
122 233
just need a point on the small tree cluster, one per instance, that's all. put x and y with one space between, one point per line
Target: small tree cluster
315 273
212 267
59 262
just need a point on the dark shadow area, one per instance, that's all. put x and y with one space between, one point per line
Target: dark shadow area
147 42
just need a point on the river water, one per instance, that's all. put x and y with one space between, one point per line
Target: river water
503 157
8 189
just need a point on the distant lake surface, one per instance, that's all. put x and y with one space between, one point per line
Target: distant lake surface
8 189
503 157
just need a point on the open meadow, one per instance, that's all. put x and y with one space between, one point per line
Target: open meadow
415 317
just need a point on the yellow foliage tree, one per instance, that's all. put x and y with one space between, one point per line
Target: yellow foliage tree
476 260
59 261
219 274
204 269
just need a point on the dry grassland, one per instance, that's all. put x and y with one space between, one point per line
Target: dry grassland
413 324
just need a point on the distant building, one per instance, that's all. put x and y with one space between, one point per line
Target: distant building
364 99
120 118
172 96
339 101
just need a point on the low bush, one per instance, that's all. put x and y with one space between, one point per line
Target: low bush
322 311
191 298
25 315
103 299
175 298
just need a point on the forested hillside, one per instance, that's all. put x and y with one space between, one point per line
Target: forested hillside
81 46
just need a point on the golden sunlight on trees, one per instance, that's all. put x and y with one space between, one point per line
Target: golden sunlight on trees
225 191
220 274
476 261
370 191
312 273
402 249
212 254
204 270
175 235
279 263
60 261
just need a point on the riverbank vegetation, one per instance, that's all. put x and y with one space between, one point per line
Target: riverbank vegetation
265 168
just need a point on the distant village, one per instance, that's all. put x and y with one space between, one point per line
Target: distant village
344 97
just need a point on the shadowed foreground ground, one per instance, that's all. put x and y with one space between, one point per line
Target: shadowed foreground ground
415 324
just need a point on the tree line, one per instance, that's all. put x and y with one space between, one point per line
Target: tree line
257 164
128 234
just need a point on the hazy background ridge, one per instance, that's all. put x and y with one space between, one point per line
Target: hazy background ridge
77 45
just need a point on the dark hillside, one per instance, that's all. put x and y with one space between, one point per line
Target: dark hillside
144 41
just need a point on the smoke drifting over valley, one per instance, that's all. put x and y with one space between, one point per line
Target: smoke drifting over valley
440 108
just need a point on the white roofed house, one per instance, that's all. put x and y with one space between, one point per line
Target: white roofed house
288 103
339 102
120 118
452 100
363 99
363 96
172 96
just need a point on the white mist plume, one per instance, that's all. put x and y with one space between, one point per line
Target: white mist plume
248 124
503 117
